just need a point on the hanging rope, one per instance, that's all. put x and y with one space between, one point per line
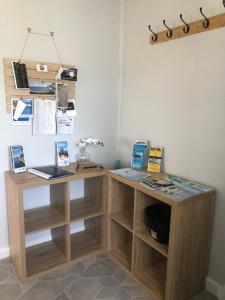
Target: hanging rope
29 31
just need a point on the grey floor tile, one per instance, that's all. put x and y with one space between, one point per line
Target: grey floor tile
135 291
142 298
107 292
5 271
130 281
99 267
71 272
107 281
97 277
10 291
83 289
24 286
62 297
120 275
45 290
122 295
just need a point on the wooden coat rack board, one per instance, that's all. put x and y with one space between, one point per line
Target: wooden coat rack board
33 75
195 27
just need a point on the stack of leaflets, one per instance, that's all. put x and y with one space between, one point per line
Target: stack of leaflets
192 186
155 159
156 183
176 193
130 174
139 155
177 188
62 155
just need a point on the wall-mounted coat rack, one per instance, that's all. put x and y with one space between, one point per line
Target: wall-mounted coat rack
186 29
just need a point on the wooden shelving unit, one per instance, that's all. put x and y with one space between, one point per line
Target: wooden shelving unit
63 247
164 270
174 271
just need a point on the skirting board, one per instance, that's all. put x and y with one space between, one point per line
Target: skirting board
212 286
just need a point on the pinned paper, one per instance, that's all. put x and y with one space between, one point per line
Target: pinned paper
20 106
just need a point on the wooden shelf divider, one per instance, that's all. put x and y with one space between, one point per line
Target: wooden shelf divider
42 218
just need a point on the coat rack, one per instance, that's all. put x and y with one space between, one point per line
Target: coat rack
186 29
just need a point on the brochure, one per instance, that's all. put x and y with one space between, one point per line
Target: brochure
192 186
139 154
155 159
17 159
130 174
62 155
156 183
22 111
176 193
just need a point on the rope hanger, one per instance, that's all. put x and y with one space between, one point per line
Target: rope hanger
51 35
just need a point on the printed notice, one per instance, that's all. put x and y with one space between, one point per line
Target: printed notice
44 117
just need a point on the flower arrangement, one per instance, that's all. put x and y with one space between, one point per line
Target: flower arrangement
83 155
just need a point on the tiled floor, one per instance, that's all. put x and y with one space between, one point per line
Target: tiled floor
95 278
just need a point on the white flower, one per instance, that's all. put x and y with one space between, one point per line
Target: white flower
90 141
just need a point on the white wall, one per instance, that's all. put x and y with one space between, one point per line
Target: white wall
174 94
87 35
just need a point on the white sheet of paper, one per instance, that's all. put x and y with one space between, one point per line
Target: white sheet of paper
65 125
44 121
19 109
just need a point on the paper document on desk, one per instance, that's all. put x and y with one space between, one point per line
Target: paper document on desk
44 117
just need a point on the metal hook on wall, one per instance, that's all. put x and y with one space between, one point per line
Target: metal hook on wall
186 28
155 35
206 22
169 34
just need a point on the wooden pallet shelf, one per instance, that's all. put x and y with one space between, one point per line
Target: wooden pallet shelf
33 75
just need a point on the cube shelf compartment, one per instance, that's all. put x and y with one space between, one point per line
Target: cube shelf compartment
121 243
93 202
50 216
121 204
90 240
140 229
150 267
49 254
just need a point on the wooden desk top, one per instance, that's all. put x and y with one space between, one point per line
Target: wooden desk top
156 193
27 180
